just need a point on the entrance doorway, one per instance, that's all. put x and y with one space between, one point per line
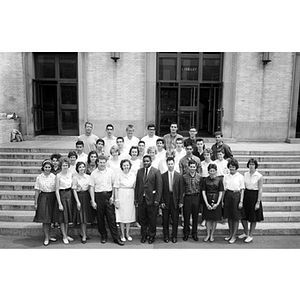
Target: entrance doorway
189 92
55 94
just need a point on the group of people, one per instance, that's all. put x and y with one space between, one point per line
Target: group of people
126 180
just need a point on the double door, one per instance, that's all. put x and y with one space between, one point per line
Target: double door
55 107
198 105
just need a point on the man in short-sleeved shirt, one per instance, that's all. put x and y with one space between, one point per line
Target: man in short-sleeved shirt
89 139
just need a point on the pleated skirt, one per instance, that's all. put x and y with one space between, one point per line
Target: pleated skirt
44 211
64 216
84 215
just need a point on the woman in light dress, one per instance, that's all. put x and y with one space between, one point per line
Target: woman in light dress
80 187
124 198
63 196
114 160
134 158
44 199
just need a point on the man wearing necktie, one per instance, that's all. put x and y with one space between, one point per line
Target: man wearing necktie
172 199
148 191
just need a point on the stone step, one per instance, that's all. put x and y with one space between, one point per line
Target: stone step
18 177
17 205
21 162
16 216
17 195
21 169
35 229
23 155
258 153
16 186
270 158
280 179
280 187
280 206
281 197
36 150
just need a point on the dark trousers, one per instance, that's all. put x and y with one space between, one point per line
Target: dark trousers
174 213
190 206
147 219
104 209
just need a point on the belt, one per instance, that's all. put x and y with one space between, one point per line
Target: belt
232 191
65 190
194 194
103 192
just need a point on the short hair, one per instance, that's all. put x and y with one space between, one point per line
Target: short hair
124 161
212 166
180 139
218 133
78 164
46 162
72 153
109 125
134 147
192 162
233 162
170 159
120 138
130 126
200 140
160 140
253 161
220 151
88 123
170 152
55 155
151 125
79 143
147 156
193 127
174 123
188 144
152 148
114 148
208 150
90 154
141 142
101 157
100 140
65 161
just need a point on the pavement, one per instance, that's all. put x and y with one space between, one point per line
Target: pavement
259 242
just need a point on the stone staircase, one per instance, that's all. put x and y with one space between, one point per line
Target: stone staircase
281 193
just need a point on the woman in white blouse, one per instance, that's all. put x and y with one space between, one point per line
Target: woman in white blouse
233 200
44 199
252 200
80 187
63 197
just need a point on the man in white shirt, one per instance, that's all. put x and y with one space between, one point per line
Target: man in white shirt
161 152
109 139
179 151
130 140
124 153
150 139
79 150
89 139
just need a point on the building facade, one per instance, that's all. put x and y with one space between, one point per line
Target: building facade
237 92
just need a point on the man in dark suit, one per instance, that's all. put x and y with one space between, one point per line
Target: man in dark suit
148 191
172 199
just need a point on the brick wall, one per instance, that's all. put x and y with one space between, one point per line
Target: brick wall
12 86
263 93
116 91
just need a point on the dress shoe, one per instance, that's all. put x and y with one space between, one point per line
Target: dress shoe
87 238
143 239
70 239
195 238
52 239
119 242
232 241
151 240
83 241
123 239
174 240
103 240
166 240
185 237
129 238
65 241
248 239
46 243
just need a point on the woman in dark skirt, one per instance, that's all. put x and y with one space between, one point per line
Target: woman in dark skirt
80 187
212 191
233 199
63 196
44 199
252 200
